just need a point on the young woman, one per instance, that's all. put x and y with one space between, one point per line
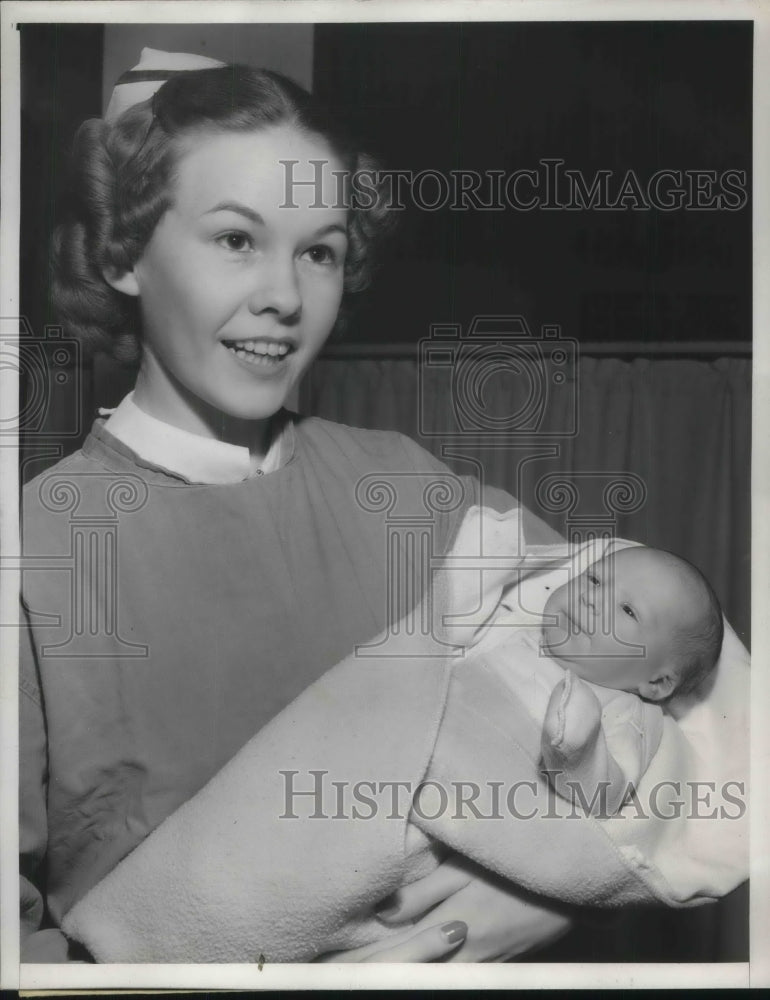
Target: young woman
217 555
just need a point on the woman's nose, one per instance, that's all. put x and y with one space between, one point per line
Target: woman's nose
276 289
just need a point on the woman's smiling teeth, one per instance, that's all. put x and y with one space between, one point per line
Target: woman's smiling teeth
259 352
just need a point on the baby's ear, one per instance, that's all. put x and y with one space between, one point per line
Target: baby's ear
659 687
121 281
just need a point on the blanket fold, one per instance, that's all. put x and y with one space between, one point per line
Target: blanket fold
255 863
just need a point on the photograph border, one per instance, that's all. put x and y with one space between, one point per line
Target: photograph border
312 976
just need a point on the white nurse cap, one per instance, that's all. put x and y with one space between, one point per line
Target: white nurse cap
150 73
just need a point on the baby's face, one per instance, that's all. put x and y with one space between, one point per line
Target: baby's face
615 624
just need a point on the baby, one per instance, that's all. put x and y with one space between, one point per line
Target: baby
639 621
508 705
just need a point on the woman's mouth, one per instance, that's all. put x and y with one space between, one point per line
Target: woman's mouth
265 354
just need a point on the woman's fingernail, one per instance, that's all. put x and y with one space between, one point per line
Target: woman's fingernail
388 908
455 932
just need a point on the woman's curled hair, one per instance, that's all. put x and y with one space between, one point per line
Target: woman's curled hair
122 176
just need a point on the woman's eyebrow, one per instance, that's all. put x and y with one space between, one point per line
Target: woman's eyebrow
240 209
256 218
334 227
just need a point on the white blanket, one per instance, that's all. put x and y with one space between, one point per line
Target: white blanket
229 878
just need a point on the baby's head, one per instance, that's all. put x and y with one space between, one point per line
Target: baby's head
640 620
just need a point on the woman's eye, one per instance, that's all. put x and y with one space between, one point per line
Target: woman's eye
594 579
238 242
321 255
628 610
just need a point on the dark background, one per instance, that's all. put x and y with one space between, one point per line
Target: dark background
613 96
479 96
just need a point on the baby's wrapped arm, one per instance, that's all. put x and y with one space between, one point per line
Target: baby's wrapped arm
575 752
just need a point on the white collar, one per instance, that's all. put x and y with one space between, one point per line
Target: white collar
196 458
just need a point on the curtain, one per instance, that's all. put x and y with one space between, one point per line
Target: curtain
674 436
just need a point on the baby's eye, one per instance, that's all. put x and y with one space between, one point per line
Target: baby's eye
629 611
321 254
236 241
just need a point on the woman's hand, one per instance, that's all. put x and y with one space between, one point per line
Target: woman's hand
503 921
429 944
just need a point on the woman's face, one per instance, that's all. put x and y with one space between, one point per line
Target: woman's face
238 290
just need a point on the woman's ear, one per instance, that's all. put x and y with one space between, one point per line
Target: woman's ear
659 687
121 281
